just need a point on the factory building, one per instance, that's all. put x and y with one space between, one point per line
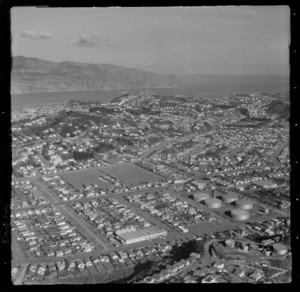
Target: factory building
239 214
199 196
229 198
213 203
133 236
199 184
244 204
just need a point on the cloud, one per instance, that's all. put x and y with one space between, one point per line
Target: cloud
89 41
34 35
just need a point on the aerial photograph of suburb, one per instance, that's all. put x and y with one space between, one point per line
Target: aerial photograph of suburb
150 145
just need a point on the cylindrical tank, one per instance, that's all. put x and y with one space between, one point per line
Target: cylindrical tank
245 248
244 204
198 197
213 203
280 249
239 214
229 198
229 243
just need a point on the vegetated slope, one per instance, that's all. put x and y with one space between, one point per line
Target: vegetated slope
280 108
283 96
243 111
138 96
31 74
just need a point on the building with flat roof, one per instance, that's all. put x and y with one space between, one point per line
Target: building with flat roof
141 234
266 184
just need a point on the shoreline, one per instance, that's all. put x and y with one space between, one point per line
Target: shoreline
102 90
43 98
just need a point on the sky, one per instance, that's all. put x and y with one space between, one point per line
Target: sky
167 40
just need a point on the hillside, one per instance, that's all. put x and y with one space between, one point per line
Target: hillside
31 74
146 97
280 108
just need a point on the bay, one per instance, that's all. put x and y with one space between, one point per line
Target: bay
206 86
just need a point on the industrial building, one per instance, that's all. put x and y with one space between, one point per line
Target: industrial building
239 214
266 184
137 235
199 184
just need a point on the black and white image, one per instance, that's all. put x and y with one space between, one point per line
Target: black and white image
150 145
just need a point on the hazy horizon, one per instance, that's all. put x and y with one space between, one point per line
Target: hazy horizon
244 40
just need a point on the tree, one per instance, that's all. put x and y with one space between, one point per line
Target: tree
244 111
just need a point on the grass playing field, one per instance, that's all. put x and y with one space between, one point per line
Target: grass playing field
87 177
131 174
206 227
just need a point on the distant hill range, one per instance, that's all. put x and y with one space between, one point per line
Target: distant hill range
31 74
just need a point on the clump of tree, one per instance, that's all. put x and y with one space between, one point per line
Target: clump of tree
66 129
244 111
224 106
82 155
141 111
124 141
207 125
183 252
104 110
44 151
103 147
243 95
280 108
154 140
167 104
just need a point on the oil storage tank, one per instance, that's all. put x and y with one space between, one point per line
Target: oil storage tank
213 203
230 243
280 249
239 214
199 196
244 204
229 198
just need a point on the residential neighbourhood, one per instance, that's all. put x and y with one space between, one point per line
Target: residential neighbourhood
181 190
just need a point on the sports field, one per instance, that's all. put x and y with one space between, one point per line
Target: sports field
131 174
207 227
85 177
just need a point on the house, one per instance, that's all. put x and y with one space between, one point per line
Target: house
123 255
219 266
209 279
194 256
59 253
165 274
157 277
149 280
179 265
172 269
239 272
191 279
256 276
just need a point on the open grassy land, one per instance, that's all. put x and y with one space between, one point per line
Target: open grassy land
85 177
131 174
207 227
